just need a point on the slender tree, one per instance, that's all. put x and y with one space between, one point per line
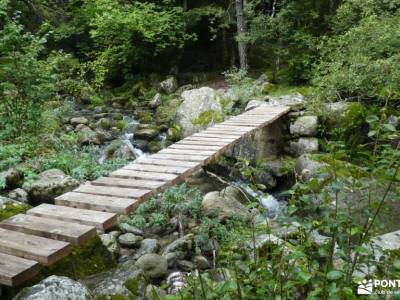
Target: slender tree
241 30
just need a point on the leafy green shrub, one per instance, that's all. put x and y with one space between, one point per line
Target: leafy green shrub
26 80
180 200
361 64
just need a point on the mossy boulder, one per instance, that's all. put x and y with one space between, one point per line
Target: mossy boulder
200 107
154 146
9 208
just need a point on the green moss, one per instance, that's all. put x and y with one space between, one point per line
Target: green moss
208 117
145 116
12 209
167 110
133 285
88 259
174 133
154 146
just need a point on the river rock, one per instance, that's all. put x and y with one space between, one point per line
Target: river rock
201 262
88 136
125 227
19 195
169 85
265 178
50 184
125 281
147 246
294 101
195 102
182 247
129 240
153 265
12 178
302 146
153 292
56 287
156 101
79 120
305 126
176 281
216 204
110 241
146 133
307 167
253 104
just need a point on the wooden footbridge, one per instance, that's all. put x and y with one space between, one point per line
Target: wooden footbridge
47 233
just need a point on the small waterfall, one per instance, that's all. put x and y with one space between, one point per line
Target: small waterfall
126 138
163 139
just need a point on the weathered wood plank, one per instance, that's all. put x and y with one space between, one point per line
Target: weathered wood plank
136 166
195 158
101 220
43 250
200 147
205 134
167 162
189 152
113 191
205 141
16 270
73 233
129 183
130 174
234 128
97 202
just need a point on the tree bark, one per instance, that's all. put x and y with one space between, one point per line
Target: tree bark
241 29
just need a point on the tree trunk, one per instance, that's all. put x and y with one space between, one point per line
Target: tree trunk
185 5
241 29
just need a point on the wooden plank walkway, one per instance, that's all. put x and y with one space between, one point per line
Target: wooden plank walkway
48 232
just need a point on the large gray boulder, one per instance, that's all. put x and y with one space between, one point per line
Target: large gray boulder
195 102
218 204
302 146
56 288
50 184
305 126
307 167
79 120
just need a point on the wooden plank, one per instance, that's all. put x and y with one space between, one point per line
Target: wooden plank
43 250
195 147
189 152
244 123
16 270
156 168
73 233
167 162
96 202
195 158
158 176
113 191
234 128
129 183
101 220
204 141
215 135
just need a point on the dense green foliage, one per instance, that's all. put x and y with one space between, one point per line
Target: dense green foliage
58 57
